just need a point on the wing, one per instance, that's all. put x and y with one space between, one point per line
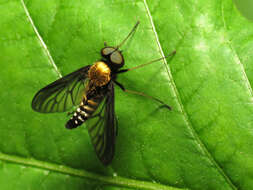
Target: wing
102 127
62 94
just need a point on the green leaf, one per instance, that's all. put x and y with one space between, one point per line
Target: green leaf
245 7
204 143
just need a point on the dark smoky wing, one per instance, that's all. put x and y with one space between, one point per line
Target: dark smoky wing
110 125
102 127
62 94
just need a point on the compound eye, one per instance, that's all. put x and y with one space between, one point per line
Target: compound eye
107 51
116 58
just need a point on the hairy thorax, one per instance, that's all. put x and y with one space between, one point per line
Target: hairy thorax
99 74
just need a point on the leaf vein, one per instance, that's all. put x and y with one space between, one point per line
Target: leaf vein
246 79
44 46
117 180
181 107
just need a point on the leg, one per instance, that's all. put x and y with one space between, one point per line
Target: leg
142 94
120 85
145 64
70 113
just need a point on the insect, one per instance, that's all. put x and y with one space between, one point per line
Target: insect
91 88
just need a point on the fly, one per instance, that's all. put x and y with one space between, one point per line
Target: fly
92 89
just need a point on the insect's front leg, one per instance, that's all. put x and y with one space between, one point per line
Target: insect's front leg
120 85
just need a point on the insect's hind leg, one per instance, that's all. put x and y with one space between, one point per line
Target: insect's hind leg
142 94
70 113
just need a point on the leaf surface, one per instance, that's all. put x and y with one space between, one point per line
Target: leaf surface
203 143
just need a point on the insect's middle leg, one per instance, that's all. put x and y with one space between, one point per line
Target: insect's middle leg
142 94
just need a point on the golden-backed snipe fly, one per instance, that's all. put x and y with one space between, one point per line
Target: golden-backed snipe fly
92 88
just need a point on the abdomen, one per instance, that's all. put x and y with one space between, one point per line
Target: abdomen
84 111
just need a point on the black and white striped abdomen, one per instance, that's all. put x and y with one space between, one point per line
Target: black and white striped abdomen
83 112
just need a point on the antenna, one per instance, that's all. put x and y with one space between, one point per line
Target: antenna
130 33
